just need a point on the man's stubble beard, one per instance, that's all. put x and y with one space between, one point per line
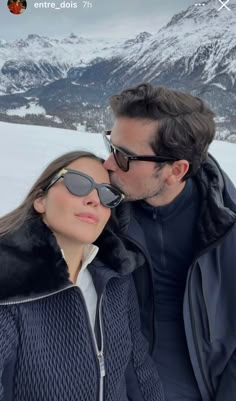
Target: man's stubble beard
145 195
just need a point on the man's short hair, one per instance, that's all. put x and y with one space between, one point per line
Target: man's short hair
185 124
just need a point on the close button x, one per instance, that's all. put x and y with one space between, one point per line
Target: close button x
224 4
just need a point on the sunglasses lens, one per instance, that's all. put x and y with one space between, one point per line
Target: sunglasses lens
80 186
109 196
77 184
120 159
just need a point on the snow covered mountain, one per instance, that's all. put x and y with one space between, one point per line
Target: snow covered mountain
37 60
198 44
71 78
196 51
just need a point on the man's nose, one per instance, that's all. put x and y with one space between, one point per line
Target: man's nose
110 163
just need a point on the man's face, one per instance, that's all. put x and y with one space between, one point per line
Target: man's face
144 180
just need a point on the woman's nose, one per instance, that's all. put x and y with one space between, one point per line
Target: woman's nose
92 198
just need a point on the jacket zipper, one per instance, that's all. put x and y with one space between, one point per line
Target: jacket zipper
140 247
23 301
154 213
195 336
99 353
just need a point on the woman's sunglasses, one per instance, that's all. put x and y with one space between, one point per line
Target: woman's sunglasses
123 159
81 184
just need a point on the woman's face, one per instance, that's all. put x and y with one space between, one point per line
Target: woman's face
75 219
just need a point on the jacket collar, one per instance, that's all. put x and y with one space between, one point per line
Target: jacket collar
217 203
32 264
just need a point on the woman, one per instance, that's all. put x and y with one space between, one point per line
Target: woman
69 324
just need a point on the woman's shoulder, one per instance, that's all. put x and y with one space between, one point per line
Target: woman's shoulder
31 263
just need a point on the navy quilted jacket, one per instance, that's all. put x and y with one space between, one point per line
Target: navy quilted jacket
48 351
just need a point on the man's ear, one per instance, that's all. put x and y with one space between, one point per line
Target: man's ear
39 204
178 171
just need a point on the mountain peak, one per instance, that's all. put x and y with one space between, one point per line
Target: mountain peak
33 36
207 13
140 38
143 36
73 36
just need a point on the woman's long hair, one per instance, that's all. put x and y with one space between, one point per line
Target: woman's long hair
25 210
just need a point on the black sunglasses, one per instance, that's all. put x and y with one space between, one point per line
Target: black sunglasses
81 184
123 159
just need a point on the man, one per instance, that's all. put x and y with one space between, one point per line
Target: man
181 222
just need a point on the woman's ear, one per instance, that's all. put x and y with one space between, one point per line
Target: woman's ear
39 204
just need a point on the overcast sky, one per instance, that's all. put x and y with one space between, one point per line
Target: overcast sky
119 18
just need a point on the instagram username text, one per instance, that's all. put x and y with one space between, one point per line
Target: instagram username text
62 5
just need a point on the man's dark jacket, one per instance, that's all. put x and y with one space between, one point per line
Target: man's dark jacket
209 308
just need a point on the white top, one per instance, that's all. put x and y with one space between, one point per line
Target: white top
85 282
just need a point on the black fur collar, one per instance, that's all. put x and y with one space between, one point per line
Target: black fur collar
31 262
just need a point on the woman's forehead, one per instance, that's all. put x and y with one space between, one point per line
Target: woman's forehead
92 167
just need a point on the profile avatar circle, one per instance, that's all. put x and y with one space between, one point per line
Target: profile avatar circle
17 6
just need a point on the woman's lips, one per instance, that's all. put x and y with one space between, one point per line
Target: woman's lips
88 217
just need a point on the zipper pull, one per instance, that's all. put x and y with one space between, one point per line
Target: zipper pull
154 213
101 364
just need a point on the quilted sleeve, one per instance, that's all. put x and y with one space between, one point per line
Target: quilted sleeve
142 379
8 347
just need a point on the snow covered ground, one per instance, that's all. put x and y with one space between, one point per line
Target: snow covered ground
25 150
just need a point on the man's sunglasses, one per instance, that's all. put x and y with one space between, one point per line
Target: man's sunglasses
123 159
81 184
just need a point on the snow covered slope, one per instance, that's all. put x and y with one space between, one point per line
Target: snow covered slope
26 150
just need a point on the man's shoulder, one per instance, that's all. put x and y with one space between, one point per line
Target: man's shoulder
226 184
124 214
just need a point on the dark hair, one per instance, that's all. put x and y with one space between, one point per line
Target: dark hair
185 124
25 210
